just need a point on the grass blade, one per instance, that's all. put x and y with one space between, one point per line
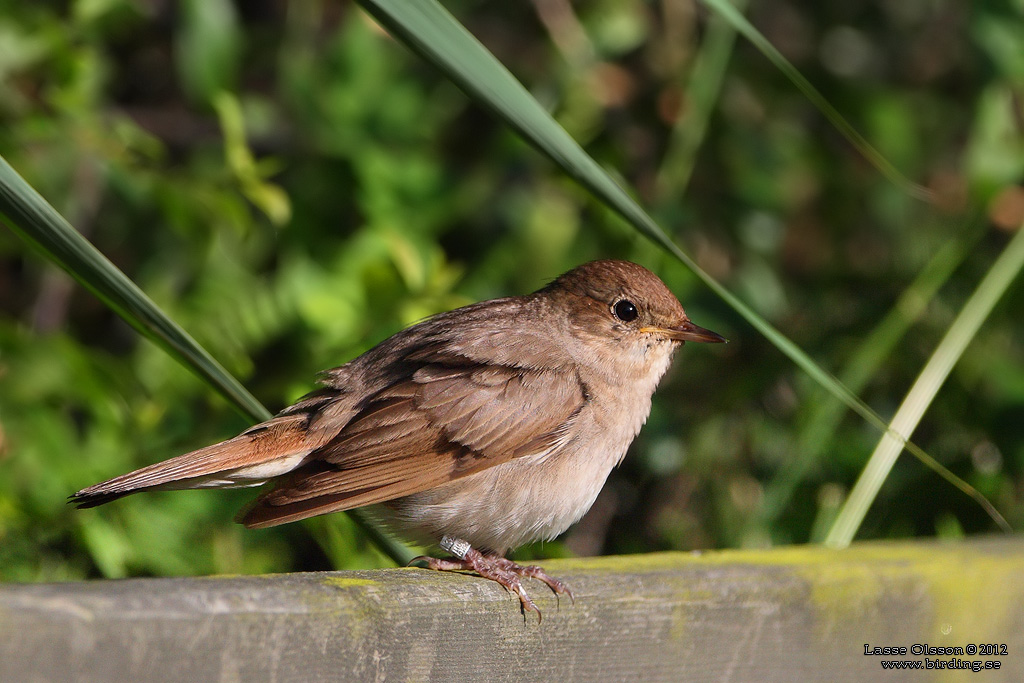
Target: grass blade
39 224
825 414
929 381
735 18
705 82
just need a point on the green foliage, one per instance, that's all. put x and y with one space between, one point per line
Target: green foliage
291 186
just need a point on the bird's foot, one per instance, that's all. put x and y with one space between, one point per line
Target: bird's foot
556 586
496 568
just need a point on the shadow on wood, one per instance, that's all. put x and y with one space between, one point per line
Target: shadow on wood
788 614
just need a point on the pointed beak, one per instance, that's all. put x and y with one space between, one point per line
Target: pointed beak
687 332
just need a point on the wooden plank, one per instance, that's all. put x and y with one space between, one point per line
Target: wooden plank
794 614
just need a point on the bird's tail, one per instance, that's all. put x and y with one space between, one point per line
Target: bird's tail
260 453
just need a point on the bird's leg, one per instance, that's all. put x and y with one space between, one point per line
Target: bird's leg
494 567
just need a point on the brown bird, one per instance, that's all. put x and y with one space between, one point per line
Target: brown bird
482 428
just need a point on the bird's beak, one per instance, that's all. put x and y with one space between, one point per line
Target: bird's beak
687 332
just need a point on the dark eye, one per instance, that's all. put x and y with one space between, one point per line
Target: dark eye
625 311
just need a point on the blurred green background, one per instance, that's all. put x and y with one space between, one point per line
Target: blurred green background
292 186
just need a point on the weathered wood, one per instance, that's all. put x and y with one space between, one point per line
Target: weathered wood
796 614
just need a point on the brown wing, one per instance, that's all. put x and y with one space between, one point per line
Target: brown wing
442 423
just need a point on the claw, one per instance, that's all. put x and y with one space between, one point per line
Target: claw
557 587
504 572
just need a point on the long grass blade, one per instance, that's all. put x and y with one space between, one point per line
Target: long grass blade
1003 272
704 84
430 31
732 14
39 224
824 415
31 217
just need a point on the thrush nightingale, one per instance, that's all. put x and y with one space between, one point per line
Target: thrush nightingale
483 428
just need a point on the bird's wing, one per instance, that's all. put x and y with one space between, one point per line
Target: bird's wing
450 418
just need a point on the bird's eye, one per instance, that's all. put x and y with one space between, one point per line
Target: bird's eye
625 311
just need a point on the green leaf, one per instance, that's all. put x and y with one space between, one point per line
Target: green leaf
267 197
208 48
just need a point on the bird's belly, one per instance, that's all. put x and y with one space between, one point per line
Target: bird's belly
502 507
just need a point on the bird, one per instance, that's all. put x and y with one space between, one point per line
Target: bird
480 429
